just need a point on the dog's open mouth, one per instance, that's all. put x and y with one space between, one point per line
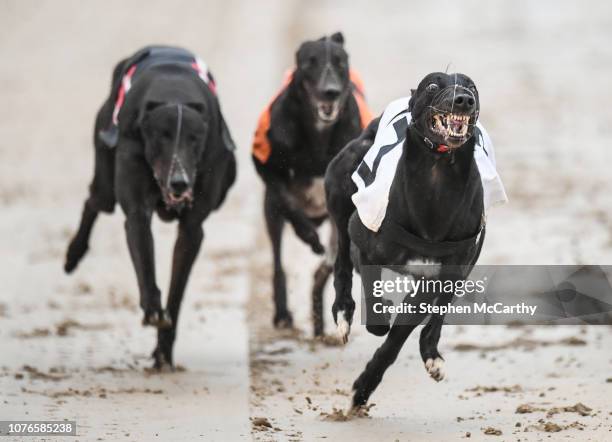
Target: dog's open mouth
451 126
327 111
178 201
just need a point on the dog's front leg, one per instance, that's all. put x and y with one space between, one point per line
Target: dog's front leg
186 248
140 244
304 229
428 341
275 223
276 187
376 323
137 193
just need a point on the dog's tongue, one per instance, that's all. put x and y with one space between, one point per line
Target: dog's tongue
456 125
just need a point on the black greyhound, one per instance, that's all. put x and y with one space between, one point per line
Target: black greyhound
320 109
434 215
163 146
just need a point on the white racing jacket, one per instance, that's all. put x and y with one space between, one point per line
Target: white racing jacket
381 161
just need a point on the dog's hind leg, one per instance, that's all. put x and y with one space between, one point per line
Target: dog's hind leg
80 243
101 199
186 249
386 354
275 224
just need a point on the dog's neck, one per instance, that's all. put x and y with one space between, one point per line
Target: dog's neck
432 190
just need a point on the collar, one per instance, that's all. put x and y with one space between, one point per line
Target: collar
440 148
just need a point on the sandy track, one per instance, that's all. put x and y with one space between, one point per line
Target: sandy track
539 69
304 388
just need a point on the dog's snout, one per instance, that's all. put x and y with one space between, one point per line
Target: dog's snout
178 185
329 86
464 101
331 93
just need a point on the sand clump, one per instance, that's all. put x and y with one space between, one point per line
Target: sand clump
339 415
579 408
552 427
491 431
480 389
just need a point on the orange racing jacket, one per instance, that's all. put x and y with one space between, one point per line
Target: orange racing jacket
261 144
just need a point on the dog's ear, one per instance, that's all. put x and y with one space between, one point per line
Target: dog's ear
411 101
338 38
298 53
224 133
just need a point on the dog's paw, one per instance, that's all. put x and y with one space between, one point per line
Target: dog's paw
344 327
157 318
317 247
69 266
435 368
283 320
312 238
75 252
308 234
162 363
362 389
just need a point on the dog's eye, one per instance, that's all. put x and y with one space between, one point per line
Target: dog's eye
338 62
310 61
192 140
432 87
165 134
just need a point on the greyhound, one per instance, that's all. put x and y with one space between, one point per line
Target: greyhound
320 108
434 214
161 145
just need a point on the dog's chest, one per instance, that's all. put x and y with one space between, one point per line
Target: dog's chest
427 268
311 162
313 151
309 196
411 263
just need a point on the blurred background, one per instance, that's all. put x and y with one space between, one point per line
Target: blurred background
543 70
